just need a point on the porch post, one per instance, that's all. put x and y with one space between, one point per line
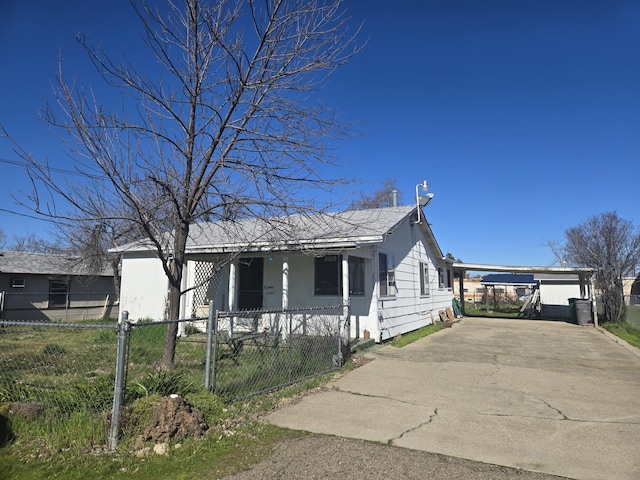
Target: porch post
461 287
285 283
232 285
183 297
592 295
345 289
345 280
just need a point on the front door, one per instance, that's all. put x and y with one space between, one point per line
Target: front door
250 279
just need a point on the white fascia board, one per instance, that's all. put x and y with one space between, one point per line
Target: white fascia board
323 243
516 269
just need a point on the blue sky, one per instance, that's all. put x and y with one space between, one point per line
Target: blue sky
522 115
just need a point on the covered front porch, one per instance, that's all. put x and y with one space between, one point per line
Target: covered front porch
285 280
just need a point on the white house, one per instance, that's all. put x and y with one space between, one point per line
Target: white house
384 263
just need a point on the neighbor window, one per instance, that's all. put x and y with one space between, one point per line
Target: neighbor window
356 276
424 278
17 282
58 294
387 275
328 275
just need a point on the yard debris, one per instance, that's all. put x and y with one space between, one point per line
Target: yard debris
174 419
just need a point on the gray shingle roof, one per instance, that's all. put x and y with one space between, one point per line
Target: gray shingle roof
44 264
301 230
295 232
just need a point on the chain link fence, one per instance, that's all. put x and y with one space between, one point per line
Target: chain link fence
57 379
262 350
65 374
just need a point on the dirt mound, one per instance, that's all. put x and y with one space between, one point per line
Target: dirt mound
174 419
28 410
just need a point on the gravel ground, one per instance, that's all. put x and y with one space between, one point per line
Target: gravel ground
320 456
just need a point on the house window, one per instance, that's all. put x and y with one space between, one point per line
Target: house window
17 282
328 275
387 275
424 278
356 276
58 294
448 278
440 278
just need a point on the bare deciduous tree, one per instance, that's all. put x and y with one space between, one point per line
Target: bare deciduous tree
380 198
226 129
611 246
30 242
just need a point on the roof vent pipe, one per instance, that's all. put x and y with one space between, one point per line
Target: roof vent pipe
394 197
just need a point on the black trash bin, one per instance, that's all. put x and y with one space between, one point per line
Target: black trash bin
583 312
572 310
580 311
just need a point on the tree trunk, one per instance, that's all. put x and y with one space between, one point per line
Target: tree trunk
115 266
175 267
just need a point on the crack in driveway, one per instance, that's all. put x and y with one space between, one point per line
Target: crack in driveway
412 429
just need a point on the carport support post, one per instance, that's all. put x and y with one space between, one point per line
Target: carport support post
461 288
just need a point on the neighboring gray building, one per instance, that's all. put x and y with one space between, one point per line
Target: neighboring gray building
37 286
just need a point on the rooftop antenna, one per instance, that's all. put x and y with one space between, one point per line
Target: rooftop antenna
422 200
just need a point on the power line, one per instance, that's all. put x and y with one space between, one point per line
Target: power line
52 169
26 215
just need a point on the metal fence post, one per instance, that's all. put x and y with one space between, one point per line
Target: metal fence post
290 373
123 328
207 373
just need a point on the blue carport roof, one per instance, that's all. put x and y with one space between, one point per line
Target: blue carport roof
509 278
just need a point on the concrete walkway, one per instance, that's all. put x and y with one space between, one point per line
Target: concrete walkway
548 397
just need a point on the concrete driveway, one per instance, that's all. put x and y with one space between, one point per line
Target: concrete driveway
542 396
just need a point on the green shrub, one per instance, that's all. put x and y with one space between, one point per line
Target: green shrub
161 383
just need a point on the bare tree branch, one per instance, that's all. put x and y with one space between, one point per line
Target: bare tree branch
224 127
611 246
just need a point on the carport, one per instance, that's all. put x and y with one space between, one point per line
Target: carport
585 278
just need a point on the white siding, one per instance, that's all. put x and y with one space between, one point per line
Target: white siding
143 291
409 309
382 317
554 298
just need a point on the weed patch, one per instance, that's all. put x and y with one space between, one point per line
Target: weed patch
411 337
